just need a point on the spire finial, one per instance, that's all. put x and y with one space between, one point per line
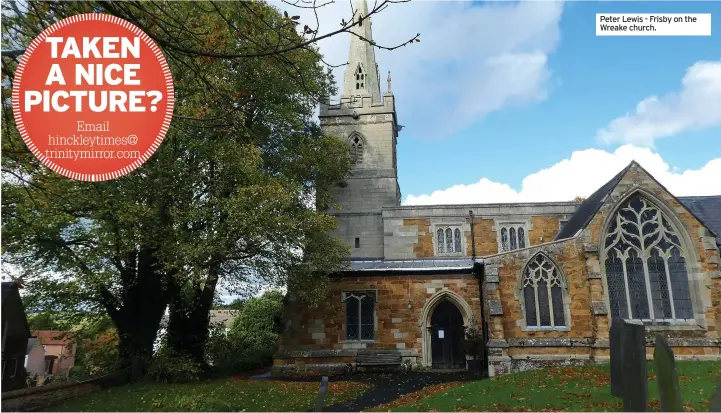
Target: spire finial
389 81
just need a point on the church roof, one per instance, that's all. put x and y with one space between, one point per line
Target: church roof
589 207
419 266
707 209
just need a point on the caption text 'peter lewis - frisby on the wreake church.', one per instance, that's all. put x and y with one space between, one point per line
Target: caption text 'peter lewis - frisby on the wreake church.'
664 24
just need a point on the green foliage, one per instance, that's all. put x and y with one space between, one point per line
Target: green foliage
48 321
169 368
668 389
31 380
56 379
99 355
77 372
237 304
252 338
473 343
227 197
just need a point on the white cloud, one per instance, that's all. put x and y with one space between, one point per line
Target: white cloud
696 106
472 59
580 175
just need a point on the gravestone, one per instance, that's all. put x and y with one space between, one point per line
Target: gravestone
321 394
616 357
669 392
635 380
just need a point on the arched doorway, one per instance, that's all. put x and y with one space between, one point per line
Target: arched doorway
446 335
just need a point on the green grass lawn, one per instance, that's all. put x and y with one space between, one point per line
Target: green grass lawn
223 395
584 388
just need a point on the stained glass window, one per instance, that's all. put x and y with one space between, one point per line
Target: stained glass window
645 266
457 238
513 237
449 240
543 293
360 315
440 242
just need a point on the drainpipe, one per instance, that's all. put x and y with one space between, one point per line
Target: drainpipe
484 324
481 278
473 237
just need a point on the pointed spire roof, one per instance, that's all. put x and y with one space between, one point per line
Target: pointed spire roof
361 76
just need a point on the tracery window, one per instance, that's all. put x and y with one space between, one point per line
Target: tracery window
356 150
359 78
449 241
645 265
543 293
513 237
360 315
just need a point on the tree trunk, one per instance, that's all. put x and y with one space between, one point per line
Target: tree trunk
144 300
189 322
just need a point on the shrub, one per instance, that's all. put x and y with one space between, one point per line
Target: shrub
31 380
474 344
100 355
252 338
169 368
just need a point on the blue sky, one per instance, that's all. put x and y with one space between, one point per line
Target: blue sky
594 80
525 129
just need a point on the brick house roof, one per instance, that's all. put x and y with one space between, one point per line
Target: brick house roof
52 337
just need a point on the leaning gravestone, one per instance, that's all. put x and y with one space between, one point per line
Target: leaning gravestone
635 380
616 357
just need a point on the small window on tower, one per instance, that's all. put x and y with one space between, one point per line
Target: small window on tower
360 78
356 150
357 242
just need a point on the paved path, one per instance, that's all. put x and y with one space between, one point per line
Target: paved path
390 386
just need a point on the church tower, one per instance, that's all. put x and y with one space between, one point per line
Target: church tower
367 122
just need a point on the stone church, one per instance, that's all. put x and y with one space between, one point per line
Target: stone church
541 281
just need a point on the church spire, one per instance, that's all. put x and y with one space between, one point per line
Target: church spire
361 76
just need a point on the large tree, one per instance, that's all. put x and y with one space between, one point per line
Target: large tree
227 197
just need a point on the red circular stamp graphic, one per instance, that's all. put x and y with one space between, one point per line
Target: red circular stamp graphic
93 97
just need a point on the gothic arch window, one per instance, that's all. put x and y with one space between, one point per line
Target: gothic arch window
356 149
645 265
360 315
360 78
542 287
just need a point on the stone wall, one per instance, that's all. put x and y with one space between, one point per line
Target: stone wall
408 233
514 347
41 397
703 264
315 337
372 184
